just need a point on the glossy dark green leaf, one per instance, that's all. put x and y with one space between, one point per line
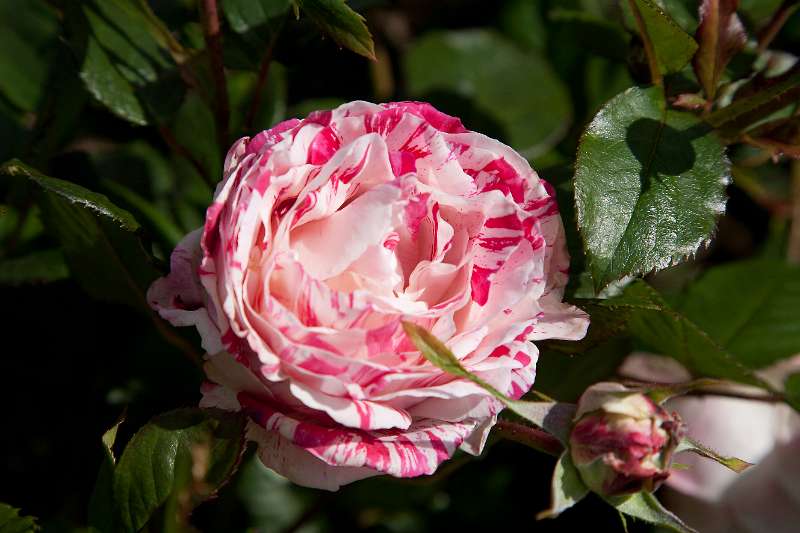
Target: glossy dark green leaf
343 25
99 240
644 506
720 36
649 185
195 129
189 451
666 43
742 305
273 99
12 522
566 489
28 30
666 331
511 94
42 266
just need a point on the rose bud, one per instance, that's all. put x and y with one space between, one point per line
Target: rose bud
622 441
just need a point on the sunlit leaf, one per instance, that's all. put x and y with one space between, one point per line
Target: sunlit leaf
733 463
649 185
644 506
12 522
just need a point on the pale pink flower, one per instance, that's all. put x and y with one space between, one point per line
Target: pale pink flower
325 234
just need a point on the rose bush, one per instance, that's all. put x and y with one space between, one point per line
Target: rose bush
323 235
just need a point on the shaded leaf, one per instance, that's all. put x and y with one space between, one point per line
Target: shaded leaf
122 65
666 331
555 418
246 15
42 266
346 27
12 522
493 86
99 240
101 503
792 387
597 35
649 185
742 304
645 506
720 36
28 30
189 450
668 47
733 463
566 490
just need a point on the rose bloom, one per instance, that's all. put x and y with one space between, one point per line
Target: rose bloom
324 235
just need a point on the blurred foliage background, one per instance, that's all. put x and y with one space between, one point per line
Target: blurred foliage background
120 99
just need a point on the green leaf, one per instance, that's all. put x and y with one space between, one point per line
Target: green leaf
743 304
649 184
733 463
668 47
42 266
567 489
667 332
565 375
11 522
720 36
346 27
122 65
101 516
598 35
743 112
645 506
99 240
493 86
28 30
555 418
246 15
188 451
195 129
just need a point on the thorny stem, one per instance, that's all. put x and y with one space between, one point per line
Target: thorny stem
768 397
213 36
263 76
529 436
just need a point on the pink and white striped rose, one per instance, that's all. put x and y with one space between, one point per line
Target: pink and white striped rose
325 234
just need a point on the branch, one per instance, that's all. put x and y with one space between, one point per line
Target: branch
211 27
779 18
529 436
263 76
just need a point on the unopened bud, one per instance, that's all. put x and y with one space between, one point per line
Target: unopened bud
622 441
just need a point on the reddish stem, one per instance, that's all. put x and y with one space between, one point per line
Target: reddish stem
213 37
